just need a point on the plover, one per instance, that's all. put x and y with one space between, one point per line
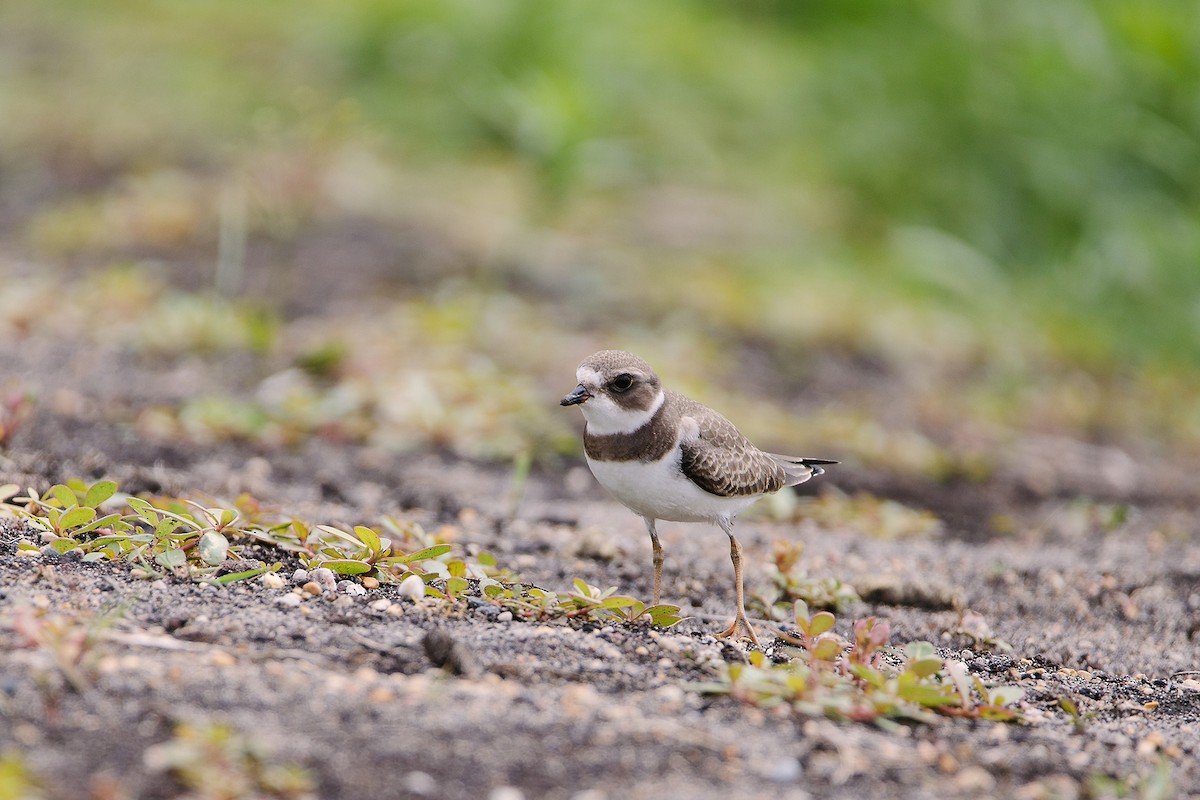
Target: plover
667 457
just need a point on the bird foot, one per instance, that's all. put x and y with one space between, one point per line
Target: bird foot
739 622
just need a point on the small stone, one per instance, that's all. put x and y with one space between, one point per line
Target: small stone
412 587
395 609
326 578
300 577
351 588
288 600
975 779
421 784
223 659
342 601
783 770
506 793
382 604
370 583
312 587
504 616
271 580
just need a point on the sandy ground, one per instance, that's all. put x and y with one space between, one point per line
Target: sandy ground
448 702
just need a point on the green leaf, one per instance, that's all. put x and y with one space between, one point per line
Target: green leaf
918 650
113 520
80 515
1005 695
61 546
456 586
924 667
10 490
871 676
930 696
213 547
172 558
820 623
250 573
65 497
617 602
486 560
165 527
998 713
827 649
226 517
99 492
347 566
664 615
143 510
421 555
457 569
368 537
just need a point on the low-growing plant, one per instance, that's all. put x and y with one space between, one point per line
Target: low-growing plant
213 761
791 582
16 779
863 680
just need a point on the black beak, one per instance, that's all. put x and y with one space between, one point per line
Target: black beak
578 395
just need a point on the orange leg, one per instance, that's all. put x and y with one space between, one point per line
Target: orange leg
735 555
658 560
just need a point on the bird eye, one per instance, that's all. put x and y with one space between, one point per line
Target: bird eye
622 382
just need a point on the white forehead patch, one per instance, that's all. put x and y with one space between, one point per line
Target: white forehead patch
589 377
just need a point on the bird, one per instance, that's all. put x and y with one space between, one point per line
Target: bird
667 457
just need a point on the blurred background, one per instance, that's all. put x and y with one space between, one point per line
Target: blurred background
954 241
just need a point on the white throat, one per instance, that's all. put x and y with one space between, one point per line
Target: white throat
606 418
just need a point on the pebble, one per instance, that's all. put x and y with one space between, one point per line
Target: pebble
506 793
351 588
419 783
412 587
395 609
326 578
288 600
300 577
369 582
783 770
223 659
382 604
504 616
271 580
312 587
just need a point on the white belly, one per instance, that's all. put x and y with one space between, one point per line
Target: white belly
660 490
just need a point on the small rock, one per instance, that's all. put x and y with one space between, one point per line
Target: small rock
506 793
271 580
300 577
369 582
326 578
395 609
412 587
382 604
975 779
342 601
288 600
504 616
312 587
421 784
783 770
351 588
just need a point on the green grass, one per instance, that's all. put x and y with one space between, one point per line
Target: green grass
1009 193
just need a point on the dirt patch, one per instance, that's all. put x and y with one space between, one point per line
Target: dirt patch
368 700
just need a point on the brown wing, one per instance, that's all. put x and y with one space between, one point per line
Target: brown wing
720 460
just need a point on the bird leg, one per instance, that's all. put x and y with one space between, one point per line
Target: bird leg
658 559
735 555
